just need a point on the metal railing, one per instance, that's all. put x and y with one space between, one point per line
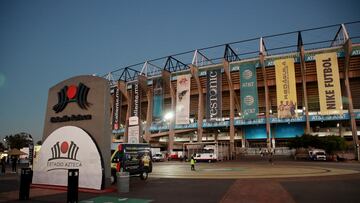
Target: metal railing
270 45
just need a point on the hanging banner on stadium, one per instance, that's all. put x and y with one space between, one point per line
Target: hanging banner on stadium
183 99
135 98
328 83
158 99
213 94
248 91
116 108
285 88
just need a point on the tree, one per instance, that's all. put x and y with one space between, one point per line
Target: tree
329 143
18 140
2 147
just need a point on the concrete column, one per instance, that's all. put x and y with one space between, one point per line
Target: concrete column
195 74
149 96
303 77
123 89
167 79
232 108
348 50
267 108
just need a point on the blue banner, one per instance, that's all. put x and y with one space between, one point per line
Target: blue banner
248 91
158 99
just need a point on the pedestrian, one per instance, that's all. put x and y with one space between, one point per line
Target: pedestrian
3 165
146 162
192 162
271 153
14 164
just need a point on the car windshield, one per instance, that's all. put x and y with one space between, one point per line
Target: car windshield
320 153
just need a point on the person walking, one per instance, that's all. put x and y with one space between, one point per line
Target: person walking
14 164
3 165
271 156
192 162
146 162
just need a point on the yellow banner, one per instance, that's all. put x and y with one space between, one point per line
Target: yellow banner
285 88
328 83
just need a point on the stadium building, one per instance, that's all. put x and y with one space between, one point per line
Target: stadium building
260 92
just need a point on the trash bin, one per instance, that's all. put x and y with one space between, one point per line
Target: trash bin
123 181
25 181
73 185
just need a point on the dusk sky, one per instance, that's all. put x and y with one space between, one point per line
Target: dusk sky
43 42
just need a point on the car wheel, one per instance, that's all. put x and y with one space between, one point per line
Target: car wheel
209 161
144 175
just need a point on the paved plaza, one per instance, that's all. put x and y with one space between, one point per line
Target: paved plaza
232 181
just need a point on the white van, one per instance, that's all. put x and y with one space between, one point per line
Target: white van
209 154
317 154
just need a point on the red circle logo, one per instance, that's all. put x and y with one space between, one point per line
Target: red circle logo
64 147
71 91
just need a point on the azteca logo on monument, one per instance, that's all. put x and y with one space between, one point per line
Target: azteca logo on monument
63 156
69 94
69 147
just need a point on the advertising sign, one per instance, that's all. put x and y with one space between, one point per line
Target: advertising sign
328 83
248 91
285 88
135 98
133 136
69 147
158 99
116 108
183 99
133 120
81 101
213 94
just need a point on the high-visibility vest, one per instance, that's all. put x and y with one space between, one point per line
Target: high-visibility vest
146 160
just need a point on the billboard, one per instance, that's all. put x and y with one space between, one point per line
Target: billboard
135 98
328 83
116 108
183 99
285 88
134 134
248 91
84 102
213 94
158 99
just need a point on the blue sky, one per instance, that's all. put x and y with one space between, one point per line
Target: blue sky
43 42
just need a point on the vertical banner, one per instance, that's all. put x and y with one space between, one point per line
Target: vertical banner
183 99
136 100
286 88
213 94
158 99
328 83
116 108
248 91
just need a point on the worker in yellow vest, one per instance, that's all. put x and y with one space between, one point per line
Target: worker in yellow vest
192 162
146 161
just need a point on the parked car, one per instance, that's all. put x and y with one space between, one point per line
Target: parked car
158 157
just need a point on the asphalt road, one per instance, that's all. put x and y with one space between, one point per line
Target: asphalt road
335 188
